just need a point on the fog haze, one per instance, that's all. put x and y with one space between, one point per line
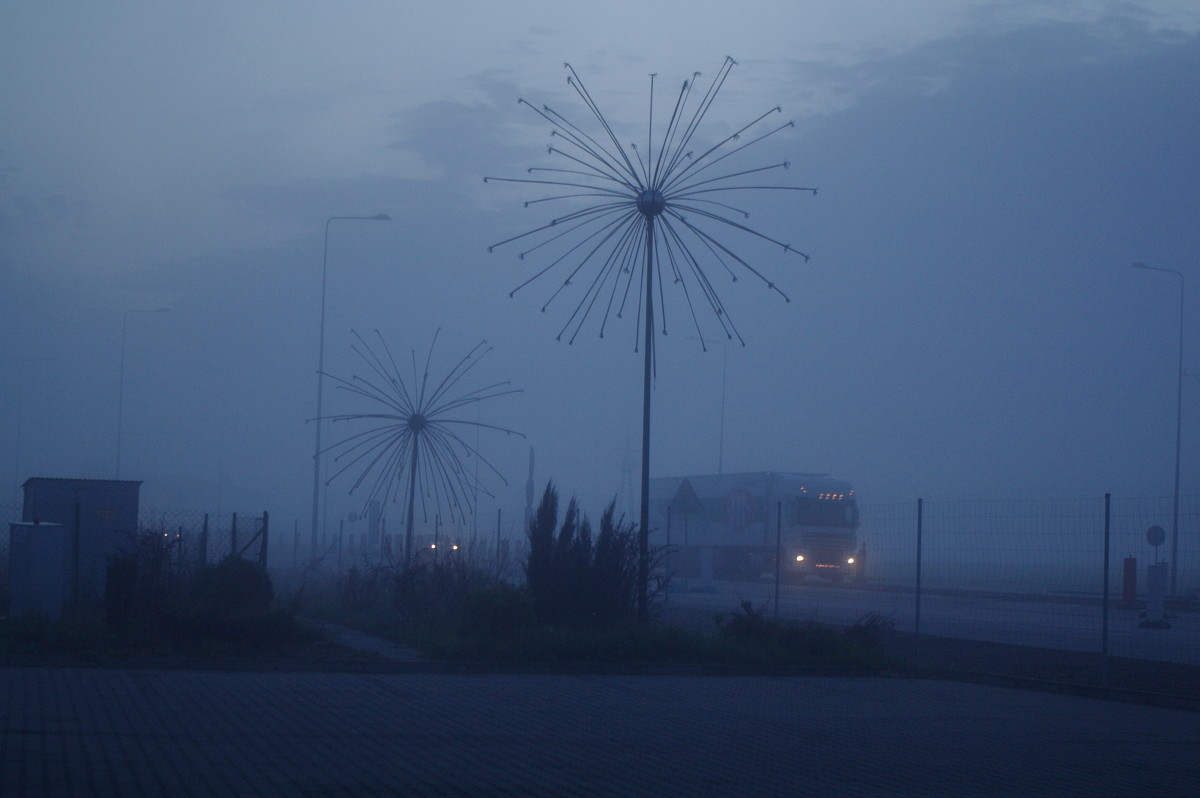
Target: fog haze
968 327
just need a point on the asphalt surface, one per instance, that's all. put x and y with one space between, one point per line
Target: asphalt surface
105 731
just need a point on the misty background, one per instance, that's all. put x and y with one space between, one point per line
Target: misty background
968 327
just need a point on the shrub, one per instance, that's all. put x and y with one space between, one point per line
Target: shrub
871 630
797 643
365 588
231 588
139 584
496 611
434 592
575 578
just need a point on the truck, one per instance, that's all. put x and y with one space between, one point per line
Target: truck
731 526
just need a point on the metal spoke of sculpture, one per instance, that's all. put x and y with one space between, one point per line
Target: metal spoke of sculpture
413 446
665 210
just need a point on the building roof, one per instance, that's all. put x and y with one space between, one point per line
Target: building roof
82 482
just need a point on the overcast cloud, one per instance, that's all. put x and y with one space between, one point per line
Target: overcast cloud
968 325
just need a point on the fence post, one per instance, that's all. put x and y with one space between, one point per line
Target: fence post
266 528
204 542
917 626
778 551
75 554
1104 613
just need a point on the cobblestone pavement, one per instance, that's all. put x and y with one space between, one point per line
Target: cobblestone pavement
79 731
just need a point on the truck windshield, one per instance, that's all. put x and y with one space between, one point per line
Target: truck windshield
814 512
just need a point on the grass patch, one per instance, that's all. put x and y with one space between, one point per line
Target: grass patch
745 640
82 634
578 606
226 609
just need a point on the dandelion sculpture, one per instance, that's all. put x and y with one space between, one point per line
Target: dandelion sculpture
644 215
412 448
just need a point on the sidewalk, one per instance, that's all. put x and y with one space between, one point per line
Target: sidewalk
361 641
77 731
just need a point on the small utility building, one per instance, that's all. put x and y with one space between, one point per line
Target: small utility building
68 531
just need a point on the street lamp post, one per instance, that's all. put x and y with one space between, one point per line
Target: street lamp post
121 380
316 493
1178 422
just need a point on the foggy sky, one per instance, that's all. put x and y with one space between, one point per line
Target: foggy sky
968 326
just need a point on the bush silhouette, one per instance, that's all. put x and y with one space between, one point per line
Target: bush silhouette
575 577
231 588
496 611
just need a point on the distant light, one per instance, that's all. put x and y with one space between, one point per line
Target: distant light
433 545
455 547
799 558
850 561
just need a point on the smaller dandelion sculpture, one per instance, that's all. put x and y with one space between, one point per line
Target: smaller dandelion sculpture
412 447
643 216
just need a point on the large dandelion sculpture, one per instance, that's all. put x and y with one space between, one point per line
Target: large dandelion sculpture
643 216
413 447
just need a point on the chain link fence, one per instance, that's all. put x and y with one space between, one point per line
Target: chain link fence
1022 546
1016 571
190 539
1026 572
199 538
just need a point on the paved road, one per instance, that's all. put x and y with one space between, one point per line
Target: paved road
1072 623
83 732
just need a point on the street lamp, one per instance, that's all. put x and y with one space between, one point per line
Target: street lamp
1178 420
121 386
379 217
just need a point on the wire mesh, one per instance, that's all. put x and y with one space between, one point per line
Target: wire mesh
200 537
1017 571
1052 547
1031 572
1026 572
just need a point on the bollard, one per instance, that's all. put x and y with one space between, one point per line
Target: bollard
1129 582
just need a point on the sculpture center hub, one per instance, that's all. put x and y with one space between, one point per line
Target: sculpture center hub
416 422
651 202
